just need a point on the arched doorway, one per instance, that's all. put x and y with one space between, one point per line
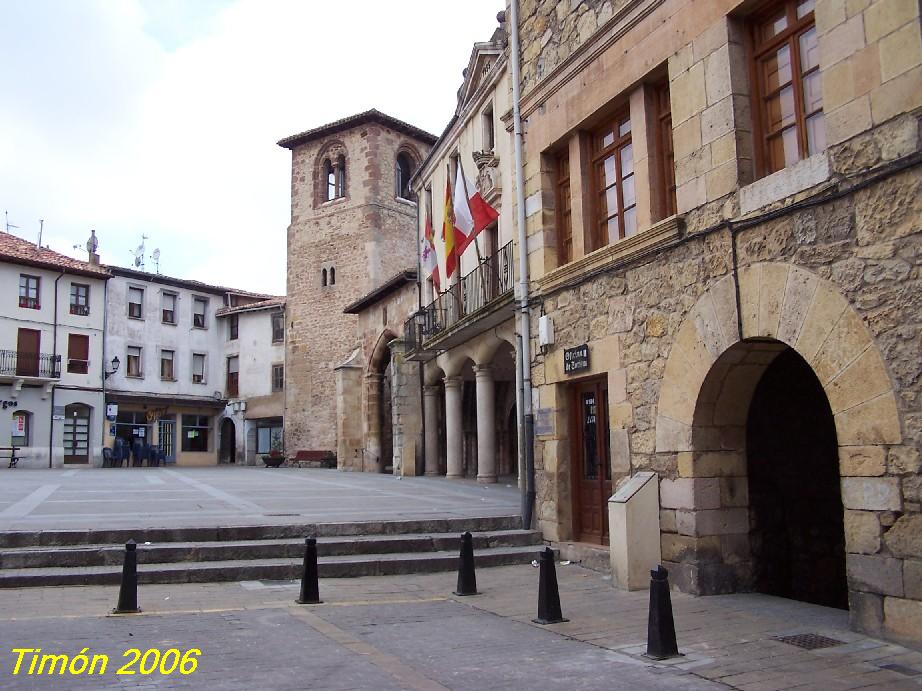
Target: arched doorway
386 414
228 441
379 419
77 433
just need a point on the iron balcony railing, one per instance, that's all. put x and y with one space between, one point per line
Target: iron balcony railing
491 279
19 364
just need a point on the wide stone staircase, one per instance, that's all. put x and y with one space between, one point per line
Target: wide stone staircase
271 552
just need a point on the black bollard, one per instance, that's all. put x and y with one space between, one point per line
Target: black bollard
128 592
310 589
661 642
548 595
467 579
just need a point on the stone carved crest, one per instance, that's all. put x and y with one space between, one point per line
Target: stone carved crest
488 179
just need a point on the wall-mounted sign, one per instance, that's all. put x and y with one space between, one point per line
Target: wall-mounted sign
8 404
576 359
112 411
544 422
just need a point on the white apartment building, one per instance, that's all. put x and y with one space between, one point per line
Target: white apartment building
52 315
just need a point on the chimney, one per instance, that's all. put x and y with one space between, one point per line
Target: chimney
91 246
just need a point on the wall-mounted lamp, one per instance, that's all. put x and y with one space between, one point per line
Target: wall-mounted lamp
115 364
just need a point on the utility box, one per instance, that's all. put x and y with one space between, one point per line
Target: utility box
633 531
545 331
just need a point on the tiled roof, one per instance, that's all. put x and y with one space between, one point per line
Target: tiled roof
354 121
18 251
183 282
252 306
382 291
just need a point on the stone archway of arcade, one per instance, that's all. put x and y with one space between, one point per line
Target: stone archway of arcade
469 402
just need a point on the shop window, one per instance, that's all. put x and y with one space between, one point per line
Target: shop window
21 433
195 432
29 291
790 124
269 437
78 353
135 303
79 299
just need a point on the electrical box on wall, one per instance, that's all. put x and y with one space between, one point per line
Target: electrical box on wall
545 330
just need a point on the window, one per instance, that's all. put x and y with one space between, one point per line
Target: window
564 219
613 164
667 206
323 278
278 327
135 302
789 90
22 428
29 291
166 365
198 368
489 138
278 377
233 369
402 172
233 327
269 436
168 308
134 362
199 308
78 353
334 175
79 299
195 430
132 426
332 276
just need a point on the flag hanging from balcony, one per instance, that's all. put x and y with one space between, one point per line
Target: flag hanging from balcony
428 257
472 213
448 233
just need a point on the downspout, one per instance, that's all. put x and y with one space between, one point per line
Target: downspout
54 354
528 497
102 369
419 365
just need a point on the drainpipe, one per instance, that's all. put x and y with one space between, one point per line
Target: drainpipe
528 497
54 354
419 365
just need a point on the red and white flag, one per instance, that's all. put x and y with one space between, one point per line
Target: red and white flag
428 257
472 213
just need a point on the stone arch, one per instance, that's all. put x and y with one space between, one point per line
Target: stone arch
333 151
710 379
378 404
406 163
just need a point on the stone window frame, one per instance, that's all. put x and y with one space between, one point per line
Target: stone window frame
759 50
412 154
611 142
327 275
332 157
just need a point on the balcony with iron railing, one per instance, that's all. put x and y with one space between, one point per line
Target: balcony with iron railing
16 364
481 300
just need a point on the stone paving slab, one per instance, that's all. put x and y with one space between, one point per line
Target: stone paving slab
410 632
96 498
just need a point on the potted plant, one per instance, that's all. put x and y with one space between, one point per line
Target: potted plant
274 458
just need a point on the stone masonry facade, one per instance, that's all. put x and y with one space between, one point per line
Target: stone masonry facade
683 318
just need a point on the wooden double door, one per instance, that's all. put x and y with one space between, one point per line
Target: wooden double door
590 460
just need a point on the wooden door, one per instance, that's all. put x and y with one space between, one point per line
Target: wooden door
591 465
77 434
28 345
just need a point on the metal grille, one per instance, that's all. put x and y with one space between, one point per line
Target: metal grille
809 641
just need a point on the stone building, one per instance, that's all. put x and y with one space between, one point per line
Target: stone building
352 220
465 332
723 207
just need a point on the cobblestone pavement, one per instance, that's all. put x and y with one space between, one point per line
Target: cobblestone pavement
409 632
234 495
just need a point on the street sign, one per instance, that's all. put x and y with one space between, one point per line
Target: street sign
576 359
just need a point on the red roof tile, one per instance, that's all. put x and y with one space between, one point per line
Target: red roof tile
252 306
18 251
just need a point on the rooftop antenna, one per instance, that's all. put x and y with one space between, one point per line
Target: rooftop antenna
92 244
8 224
139 254
41 227
156 257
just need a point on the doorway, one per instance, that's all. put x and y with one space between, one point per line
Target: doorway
167 438
77 433
28 343
228 441
591 460
385 409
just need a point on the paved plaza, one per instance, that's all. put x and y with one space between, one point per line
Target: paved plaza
409 632
232 496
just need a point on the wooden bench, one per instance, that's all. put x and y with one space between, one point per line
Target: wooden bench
10 452
313 458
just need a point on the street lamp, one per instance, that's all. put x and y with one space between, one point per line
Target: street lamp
115 364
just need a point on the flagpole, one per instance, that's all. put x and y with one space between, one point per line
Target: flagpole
467 200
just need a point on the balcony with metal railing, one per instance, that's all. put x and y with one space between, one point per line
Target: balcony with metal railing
20 365
481 300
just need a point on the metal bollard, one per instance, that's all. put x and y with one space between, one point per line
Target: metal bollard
661 641
548 594
128 592
310 589
467 579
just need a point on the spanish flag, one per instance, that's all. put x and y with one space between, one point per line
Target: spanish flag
448 232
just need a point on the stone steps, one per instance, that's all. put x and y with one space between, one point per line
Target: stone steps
244 553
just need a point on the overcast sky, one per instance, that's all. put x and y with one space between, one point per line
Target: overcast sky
160 117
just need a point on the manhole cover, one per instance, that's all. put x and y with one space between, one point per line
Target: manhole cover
809 641
901 669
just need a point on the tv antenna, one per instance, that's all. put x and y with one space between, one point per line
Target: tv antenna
139 254
156 257
9 225
91 245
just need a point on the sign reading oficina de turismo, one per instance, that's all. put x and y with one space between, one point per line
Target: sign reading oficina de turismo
576 359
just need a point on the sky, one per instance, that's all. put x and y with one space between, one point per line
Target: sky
160 118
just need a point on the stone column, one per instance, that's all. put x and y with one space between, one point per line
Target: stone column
453 434
372 461
431 411
486 424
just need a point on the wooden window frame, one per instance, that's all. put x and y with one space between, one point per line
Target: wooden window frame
598 233
278 377
139 373
278 327
203 322
564 200
80 303
164 310
26 288
78 344
761 48
171 375
232 379
203 378
233 327
139 312
667 205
